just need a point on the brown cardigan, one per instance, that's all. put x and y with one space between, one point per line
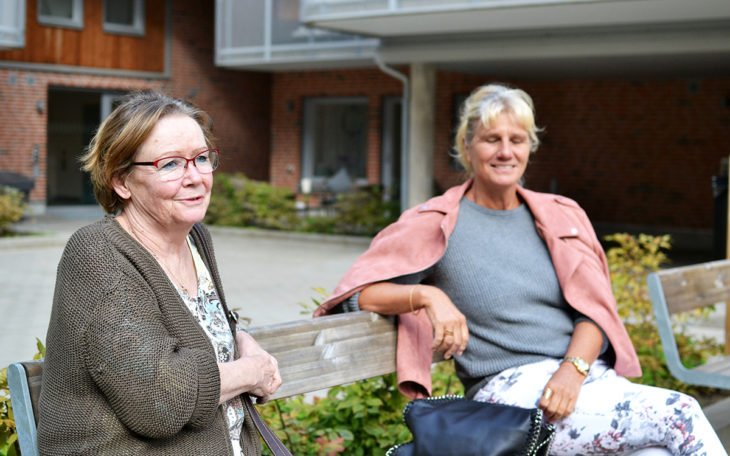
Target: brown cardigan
128 369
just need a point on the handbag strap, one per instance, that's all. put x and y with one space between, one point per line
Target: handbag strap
267 434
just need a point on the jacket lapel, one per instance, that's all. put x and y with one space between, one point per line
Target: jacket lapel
556 225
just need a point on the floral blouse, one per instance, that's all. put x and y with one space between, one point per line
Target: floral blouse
206 308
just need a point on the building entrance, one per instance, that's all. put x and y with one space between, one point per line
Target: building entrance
73 117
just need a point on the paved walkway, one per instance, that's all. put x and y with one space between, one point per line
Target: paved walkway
266 276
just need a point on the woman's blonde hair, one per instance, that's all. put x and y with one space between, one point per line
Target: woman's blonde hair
483 106
112 149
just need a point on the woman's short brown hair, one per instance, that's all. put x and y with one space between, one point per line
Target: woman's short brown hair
120 135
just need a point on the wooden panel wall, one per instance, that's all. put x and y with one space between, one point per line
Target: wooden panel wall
91 46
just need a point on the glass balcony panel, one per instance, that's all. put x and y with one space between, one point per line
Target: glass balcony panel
286 28
326 7
12 23
244 39
246 23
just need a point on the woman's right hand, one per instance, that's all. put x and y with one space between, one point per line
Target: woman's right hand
450 333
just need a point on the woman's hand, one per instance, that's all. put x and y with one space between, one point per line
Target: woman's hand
450 333
260 361
255 372
561 392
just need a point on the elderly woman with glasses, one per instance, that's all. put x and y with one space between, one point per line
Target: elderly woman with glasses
143 355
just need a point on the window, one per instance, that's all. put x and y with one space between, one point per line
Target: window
124 17
61 13
335 144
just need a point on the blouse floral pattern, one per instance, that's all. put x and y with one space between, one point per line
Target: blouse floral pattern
207 309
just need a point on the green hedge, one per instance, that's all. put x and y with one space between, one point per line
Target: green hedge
240 201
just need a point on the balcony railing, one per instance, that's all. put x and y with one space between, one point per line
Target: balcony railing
12 24
267 33
316 10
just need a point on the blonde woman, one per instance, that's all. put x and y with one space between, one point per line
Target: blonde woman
514 285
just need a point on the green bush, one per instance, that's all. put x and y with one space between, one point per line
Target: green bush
8 436
630 260
239 201
11 208
364 212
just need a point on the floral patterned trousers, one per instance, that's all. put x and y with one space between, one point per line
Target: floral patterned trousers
612 415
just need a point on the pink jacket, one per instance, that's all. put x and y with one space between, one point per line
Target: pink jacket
418 240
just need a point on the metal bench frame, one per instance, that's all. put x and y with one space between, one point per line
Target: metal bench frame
683 289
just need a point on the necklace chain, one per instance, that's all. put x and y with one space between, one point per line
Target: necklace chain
166 269
169 270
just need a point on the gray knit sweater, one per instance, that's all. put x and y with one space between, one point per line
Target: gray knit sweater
499 274
128 369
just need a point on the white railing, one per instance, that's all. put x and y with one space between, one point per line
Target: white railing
252 33
12 24
316 10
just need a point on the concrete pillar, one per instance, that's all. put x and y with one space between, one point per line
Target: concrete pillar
422 118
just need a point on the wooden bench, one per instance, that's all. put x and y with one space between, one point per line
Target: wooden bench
688 288
312 354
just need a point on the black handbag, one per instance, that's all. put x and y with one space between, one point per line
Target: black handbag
452 425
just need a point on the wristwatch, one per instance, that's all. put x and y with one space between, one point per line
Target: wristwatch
580 364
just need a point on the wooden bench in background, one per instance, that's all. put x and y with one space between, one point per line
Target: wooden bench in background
312 354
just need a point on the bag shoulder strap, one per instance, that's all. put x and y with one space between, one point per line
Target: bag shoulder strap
267 434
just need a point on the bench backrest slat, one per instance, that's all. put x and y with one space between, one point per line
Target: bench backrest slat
692 287
328 351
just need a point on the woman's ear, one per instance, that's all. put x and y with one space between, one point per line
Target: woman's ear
467 155
119 183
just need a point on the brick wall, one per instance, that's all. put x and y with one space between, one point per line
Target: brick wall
630 151
238 101
289 90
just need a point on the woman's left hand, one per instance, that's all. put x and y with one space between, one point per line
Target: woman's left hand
270 379
561 392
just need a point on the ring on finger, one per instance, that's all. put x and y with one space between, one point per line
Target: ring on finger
547 394
448 332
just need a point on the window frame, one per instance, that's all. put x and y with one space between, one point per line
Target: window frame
137 28
76 21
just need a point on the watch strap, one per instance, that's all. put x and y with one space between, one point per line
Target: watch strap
579 363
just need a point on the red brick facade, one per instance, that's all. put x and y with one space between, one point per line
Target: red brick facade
631 151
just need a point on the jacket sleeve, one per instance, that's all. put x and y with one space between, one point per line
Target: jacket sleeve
154 384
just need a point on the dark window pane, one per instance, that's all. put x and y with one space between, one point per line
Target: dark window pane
119 12
340 139
57 8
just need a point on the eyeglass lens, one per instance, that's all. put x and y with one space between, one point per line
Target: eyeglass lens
173 168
